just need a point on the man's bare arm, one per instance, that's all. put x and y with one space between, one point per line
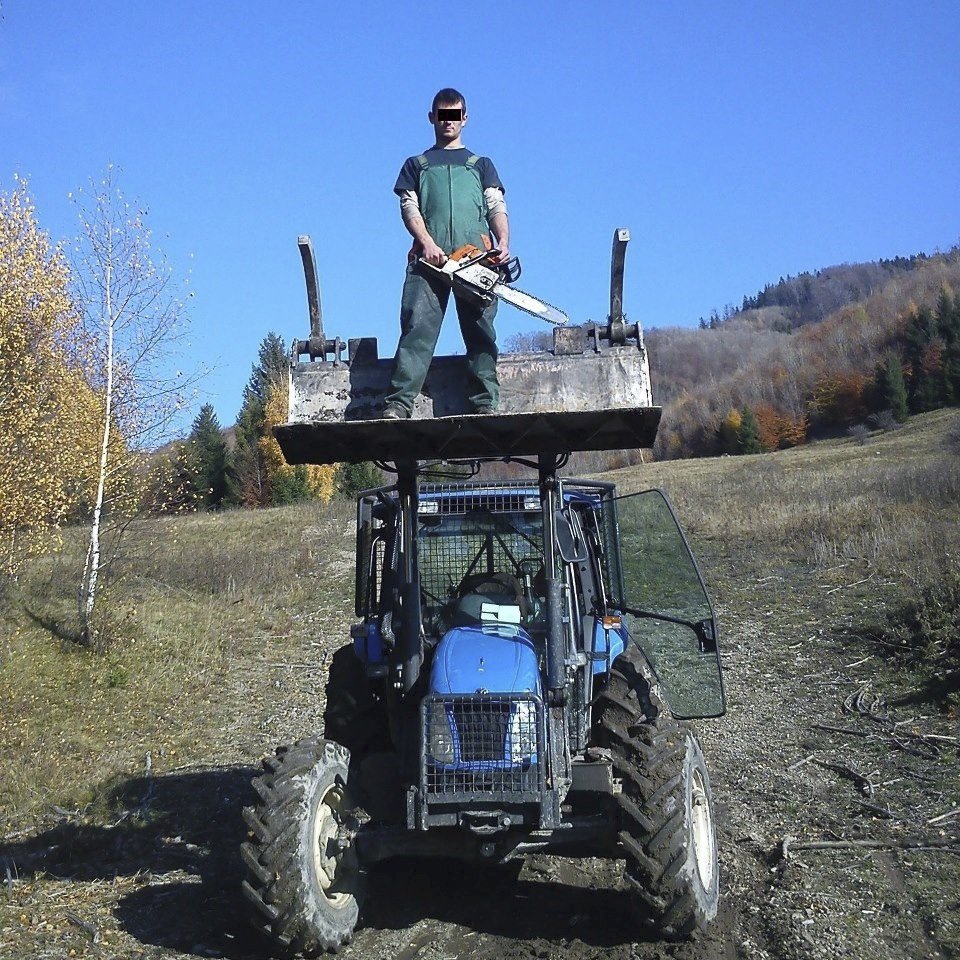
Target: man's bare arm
500 227
413 221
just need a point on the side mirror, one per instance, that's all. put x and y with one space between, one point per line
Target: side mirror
570 541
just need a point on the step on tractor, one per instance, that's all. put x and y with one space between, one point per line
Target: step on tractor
527 652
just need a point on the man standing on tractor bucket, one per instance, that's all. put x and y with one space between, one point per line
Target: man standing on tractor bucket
449 197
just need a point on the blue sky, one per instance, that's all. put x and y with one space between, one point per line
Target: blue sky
739 142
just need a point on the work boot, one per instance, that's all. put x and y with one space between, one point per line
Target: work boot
393 411
483 409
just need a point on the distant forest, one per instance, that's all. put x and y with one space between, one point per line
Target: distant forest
793 302
858 346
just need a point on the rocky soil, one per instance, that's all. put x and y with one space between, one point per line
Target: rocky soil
822 742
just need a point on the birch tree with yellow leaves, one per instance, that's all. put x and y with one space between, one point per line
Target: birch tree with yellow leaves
133 313
49 411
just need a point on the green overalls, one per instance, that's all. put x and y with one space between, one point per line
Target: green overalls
453 209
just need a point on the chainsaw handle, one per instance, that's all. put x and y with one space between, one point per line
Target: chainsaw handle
510 270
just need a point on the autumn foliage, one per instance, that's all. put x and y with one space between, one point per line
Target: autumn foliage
802 373
289 483
842 397
50 416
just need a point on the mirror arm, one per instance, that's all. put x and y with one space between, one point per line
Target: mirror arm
647 615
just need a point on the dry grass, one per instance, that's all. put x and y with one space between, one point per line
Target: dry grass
190 592
892 503
195 593
214 647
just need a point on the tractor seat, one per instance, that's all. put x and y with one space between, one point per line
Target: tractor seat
489 598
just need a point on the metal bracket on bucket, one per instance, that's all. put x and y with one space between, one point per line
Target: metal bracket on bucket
616 331
317 347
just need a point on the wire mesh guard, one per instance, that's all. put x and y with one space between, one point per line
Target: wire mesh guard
465 532
482 744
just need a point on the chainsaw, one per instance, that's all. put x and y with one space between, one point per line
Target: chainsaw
472 272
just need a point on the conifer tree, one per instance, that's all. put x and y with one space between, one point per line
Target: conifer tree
209 451
248 483
354 477
891 389
749 432
172 485
924 355
948 326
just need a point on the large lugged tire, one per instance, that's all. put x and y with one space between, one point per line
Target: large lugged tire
667 828
352 715
302 885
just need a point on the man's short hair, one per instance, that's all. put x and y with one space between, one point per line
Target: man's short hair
448 97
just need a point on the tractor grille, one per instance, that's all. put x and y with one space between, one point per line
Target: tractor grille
481 731
482 746
456 498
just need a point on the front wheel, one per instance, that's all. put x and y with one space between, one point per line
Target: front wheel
667 830
302 875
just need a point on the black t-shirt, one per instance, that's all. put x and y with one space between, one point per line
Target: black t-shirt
409 178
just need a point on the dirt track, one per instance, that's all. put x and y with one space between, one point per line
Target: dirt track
161 878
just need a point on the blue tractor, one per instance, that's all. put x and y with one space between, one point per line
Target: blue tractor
519 678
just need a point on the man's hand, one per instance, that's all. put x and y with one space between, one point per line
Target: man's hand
502 254
432 253
428 248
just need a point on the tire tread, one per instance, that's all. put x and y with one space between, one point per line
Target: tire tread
649 750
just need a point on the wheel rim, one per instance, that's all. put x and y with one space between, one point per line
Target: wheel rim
328 859
701 829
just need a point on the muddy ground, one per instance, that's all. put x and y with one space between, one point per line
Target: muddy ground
160 876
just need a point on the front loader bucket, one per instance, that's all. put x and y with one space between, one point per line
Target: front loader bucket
549 403
590 392
458 438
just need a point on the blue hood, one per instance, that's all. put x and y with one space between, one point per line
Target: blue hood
495 659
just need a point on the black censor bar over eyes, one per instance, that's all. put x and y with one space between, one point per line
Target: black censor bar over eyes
449 113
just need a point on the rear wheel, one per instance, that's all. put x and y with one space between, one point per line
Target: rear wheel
667 830
302 875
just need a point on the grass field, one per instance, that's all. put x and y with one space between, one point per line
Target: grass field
892 501
193 591
191 594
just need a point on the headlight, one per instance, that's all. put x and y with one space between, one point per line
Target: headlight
523 732
440 735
